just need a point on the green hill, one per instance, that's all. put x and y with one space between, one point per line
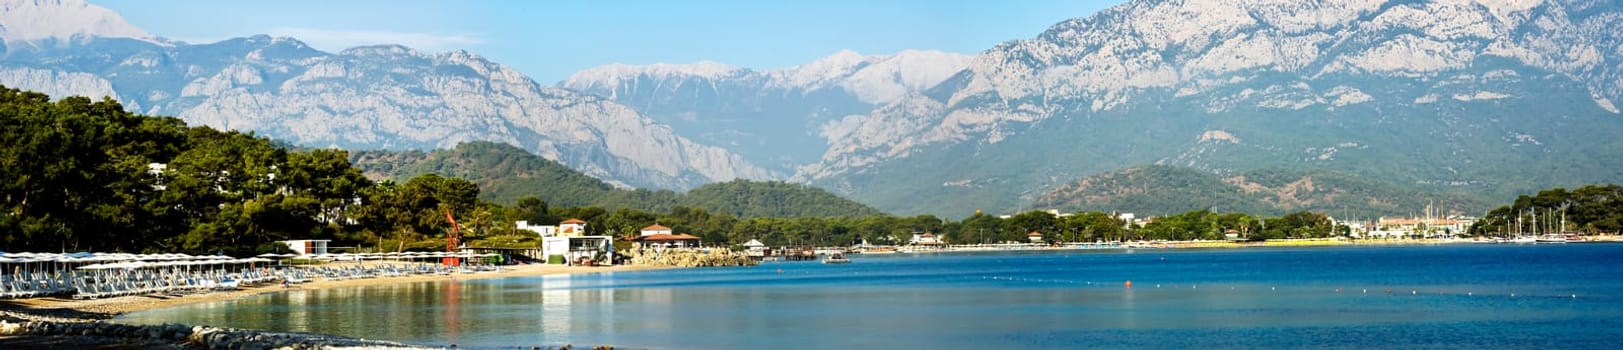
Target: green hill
505 173
1159 189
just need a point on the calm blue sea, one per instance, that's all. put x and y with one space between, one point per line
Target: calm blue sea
1458 296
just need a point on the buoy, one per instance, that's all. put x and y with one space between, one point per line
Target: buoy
1338 290
1414 292
1513 295
1273 288
1129 284
780 270
1366 290
1575 296
1157 286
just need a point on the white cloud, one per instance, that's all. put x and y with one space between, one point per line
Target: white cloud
338 40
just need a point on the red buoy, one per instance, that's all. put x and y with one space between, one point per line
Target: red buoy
1129 284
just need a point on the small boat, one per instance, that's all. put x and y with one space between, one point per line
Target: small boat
836 258
1552 238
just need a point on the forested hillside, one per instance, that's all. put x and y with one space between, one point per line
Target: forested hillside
506 174
1161 190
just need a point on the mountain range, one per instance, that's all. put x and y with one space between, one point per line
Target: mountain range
1490 97
374 97
777 118
1429 99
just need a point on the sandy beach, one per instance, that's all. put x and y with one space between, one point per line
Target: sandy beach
93 309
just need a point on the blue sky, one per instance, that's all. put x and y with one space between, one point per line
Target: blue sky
549 40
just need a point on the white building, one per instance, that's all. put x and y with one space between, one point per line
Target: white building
308 246
1450 227
569 241
925 238
755 247
543 230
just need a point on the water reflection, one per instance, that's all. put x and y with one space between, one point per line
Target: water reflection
979 301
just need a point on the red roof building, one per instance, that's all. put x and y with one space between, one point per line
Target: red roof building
681 240
655 229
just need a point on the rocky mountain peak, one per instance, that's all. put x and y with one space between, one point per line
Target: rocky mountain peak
609 77
32 21
821 72
382 51
1462 75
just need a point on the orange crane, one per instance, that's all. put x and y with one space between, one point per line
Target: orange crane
451 240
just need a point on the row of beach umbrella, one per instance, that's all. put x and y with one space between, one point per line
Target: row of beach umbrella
141 264
390 255
85 257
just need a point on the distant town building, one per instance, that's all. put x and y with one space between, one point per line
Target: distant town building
1448 227
755 245
925 238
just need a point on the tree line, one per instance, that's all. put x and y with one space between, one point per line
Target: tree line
1589 209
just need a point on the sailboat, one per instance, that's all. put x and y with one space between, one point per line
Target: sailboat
1521 238
1551 237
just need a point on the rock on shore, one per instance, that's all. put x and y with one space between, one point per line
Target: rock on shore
677 257
175 336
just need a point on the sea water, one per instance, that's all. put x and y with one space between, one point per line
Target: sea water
1455 296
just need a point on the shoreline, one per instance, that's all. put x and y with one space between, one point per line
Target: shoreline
90 310
63 322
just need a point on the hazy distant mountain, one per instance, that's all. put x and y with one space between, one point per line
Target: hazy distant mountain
1484 96
777 118
377 97
52 22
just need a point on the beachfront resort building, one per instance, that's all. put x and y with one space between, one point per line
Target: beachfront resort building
1424 227
658 236
568 242
1035 237
308 246
571 227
